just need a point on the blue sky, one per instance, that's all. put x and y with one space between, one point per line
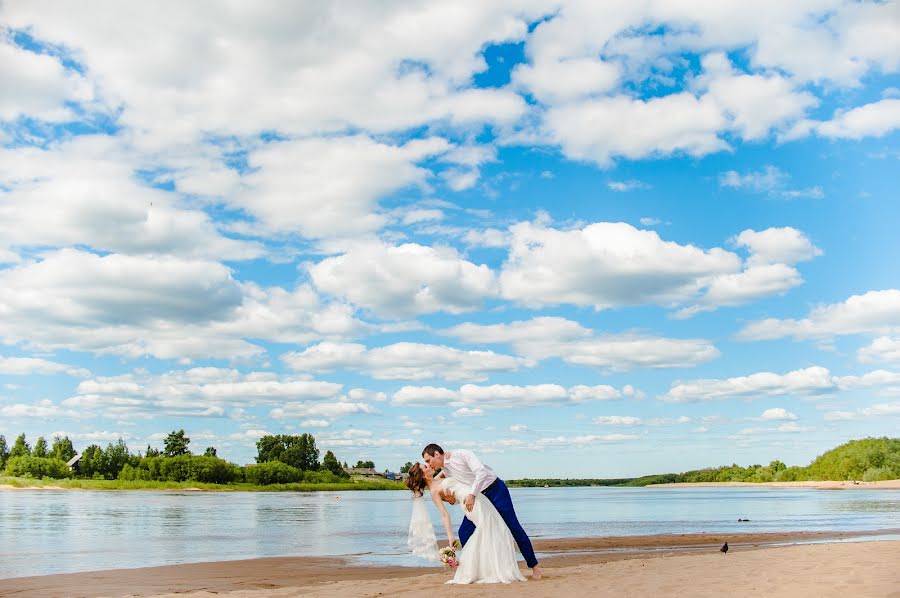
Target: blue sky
581 239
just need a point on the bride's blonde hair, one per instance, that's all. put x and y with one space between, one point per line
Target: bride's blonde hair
416 480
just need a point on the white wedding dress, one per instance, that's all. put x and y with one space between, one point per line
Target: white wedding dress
490 554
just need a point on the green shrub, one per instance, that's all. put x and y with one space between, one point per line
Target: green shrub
272 472
874 474
37 467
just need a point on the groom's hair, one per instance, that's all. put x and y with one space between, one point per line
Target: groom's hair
431 449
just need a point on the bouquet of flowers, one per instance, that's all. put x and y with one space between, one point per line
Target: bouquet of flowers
448 556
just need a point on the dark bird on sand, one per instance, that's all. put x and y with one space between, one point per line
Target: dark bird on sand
724 547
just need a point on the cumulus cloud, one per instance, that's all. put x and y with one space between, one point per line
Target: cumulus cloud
210 392
548 337
810 381
617 420
37 85
405 280
26 366
403 361
85 192
167 307
874 312
506 396
871 120
330 186
777 414
605 265
883 349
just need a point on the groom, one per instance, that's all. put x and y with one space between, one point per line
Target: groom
464 466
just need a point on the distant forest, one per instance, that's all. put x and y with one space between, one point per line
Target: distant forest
869 460
281 459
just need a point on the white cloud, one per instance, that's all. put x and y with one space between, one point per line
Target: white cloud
875 312
314 423
871 120
489 237
329 186
43 409
754 103
518 428
805 382
882 349
605 265
777 245
617 420
469 412
208 392
156 305
403 361
415 216
386 68
788 428
507 396
405 280
601 129
769 180
37 85
357 438
840 416
26 366
777 414
882 409
86 192
631 185
547 337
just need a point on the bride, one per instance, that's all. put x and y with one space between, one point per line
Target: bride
490 554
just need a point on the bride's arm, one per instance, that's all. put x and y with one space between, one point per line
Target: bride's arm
445 516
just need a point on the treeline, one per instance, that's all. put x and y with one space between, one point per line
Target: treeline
869 460
567 482
281 459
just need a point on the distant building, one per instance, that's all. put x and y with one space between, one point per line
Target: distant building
74 463
368 472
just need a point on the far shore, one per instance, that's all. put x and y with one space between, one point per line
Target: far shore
821 485
771 564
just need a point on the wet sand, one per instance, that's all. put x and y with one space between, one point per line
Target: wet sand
572 566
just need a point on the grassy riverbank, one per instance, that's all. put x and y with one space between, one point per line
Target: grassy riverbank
79 484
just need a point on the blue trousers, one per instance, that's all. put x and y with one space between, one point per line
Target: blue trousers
499 496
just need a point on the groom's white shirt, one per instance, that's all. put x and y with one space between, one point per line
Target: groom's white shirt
464 466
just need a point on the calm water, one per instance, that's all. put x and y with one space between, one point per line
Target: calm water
45 532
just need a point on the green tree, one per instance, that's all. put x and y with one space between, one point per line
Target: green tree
62 448
4 451
40 448
92 461
330 463
366 465
115 456
210 452
299 452
151 452
176 444
20 448
407 467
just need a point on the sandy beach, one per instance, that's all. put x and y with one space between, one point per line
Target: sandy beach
758 564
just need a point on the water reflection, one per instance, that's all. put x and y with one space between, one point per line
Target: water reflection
101 530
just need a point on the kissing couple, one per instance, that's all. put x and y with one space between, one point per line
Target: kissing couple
490 529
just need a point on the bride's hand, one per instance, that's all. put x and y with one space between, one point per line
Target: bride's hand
448 497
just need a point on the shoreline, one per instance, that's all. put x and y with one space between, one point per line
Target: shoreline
289 576
818 485
363 485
